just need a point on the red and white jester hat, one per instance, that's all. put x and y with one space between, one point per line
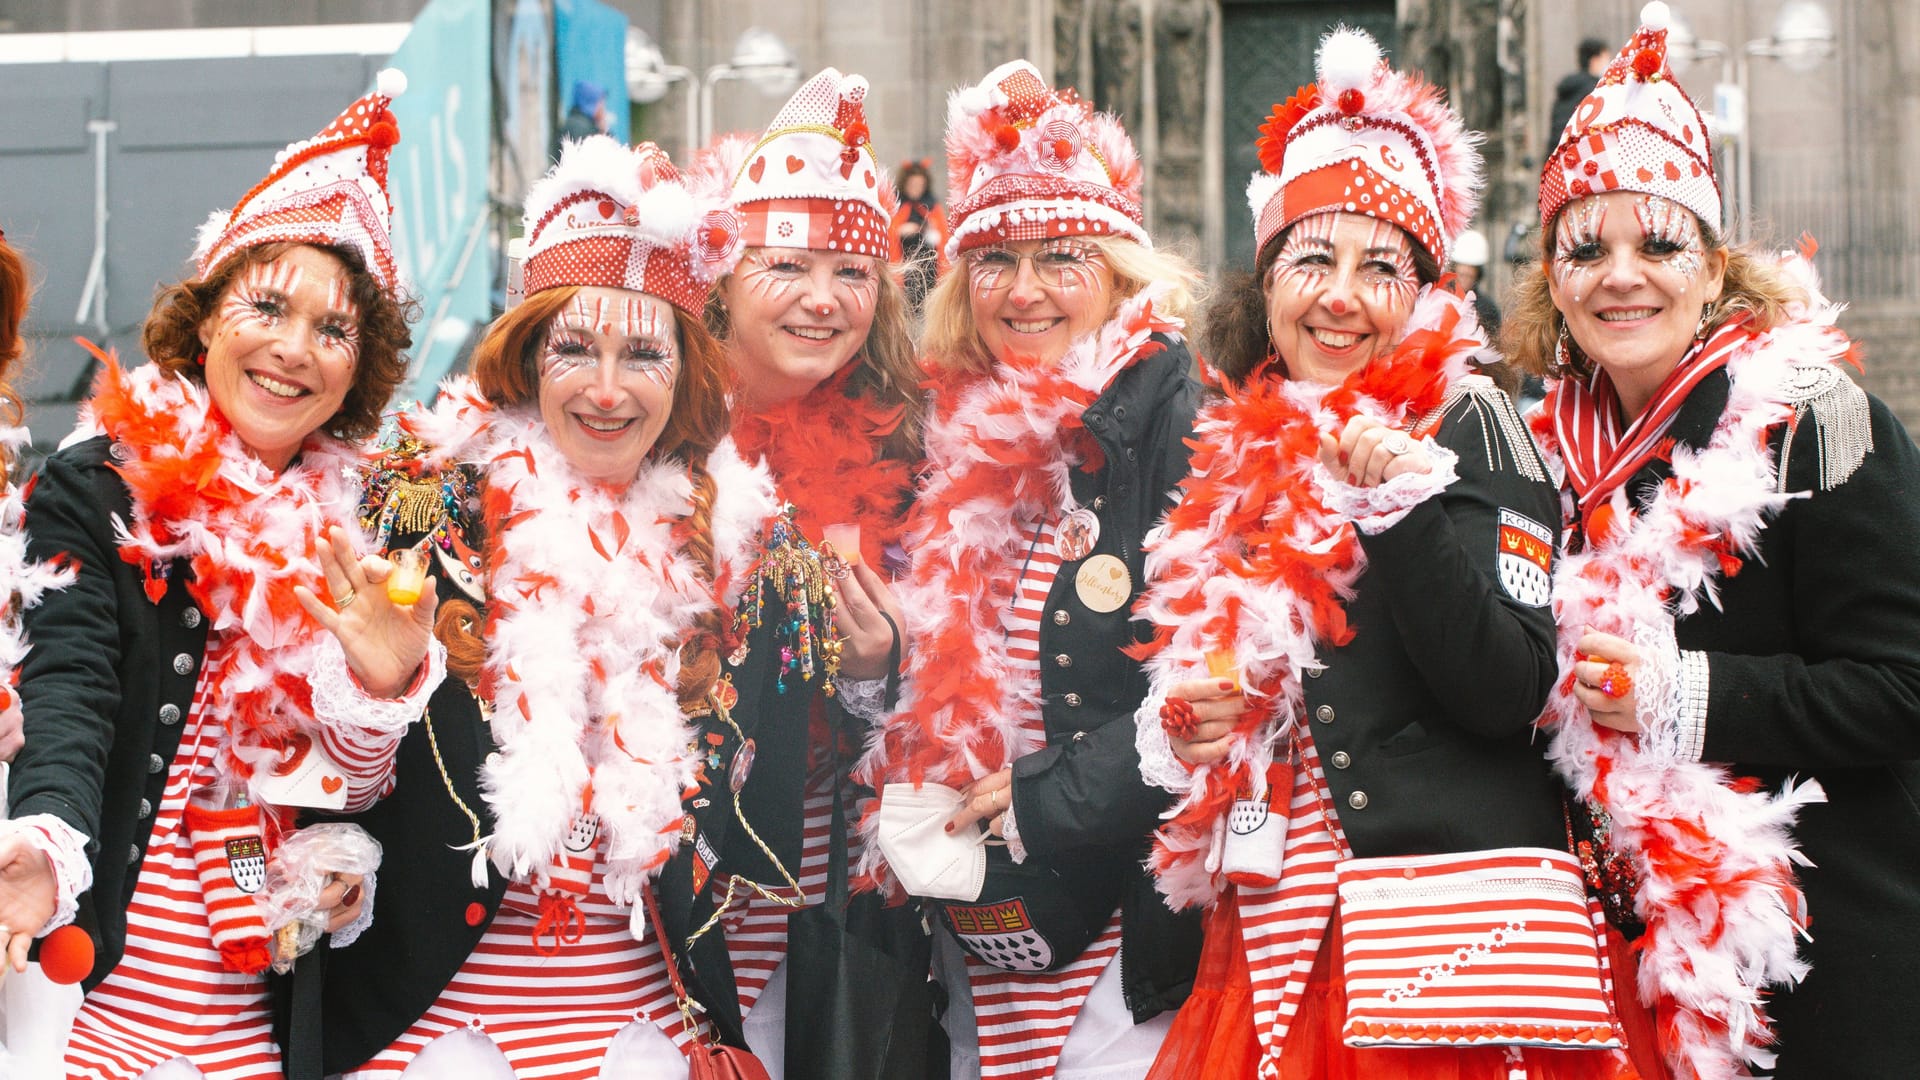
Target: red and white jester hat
609 214
1637 131
812 181
1368 140
329 190
1027 163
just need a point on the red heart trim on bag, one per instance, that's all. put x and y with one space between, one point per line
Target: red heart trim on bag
757 169
330 784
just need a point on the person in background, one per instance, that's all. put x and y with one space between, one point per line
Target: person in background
587 113
1574 87
818 338
189 692
1470 266
1063 396
1739 605
919 230
21 582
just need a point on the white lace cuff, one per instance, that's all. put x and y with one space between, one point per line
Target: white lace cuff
1158 765
1379 508
339 701
66 848
351 932
1659 692
863 698
1016 848
1692 719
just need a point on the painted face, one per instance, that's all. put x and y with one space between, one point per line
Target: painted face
282 346
1630 275
1339 293
607 370
1034 297
798 316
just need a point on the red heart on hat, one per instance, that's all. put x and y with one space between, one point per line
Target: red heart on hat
868 177
1686 132
794 164
1695 166
1645 174
757 169
1673 171
606 208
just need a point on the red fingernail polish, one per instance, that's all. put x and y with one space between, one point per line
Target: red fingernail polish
949 826
1226 684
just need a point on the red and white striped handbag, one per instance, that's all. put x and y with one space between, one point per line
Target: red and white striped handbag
1497 947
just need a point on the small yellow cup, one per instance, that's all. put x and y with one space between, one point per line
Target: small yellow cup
409 577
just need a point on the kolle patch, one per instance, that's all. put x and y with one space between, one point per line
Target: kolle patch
1525 558
1001 933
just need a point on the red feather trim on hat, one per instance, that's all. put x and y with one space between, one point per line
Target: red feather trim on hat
1272 142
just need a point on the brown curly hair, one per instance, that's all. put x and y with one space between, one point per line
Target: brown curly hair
172 331
1751 285
1237 340
505 366
14 290
889 371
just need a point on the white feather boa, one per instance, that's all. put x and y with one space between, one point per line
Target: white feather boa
1255 466
592 594
1715 859
999 456
23 582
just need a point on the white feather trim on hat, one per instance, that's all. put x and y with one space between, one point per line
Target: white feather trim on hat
595 163
1347 59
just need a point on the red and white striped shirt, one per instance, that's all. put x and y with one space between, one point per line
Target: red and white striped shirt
552 1016
170 997
1022 1019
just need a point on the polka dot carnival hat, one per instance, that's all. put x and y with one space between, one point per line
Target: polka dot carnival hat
329 190
1370 140
623 217
812 180
1027 163
1637 131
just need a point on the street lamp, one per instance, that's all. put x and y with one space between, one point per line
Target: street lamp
1802 38
649 77
761 59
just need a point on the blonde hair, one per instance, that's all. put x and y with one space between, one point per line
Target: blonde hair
952 342
1753 285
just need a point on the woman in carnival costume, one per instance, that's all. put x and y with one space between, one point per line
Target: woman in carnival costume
576 788
819 338
1738 608
188 692
1063 391
1354 641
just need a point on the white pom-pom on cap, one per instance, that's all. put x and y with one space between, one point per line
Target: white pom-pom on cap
1656 15
391 82
853 88
1346 60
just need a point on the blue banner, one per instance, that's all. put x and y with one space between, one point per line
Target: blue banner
590 68
438 177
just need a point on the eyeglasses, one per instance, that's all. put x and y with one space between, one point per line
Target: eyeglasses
1056 263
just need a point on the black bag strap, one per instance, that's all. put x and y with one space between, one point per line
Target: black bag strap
303 1057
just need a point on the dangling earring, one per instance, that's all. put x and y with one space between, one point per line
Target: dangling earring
201 359
1563 349
1707 316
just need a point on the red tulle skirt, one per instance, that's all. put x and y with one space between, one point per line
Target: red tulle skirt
1213 1036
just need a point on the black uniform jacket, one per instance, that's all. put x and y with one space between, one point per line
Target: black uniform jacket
1814 661
1424 721
1080 798
105 689
429 916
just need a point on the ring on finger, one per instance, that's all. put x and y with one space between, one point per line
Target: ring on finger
340 602
1397 443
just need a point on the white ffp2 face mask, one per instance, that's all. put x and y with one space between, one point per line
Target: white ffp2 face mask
928 860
